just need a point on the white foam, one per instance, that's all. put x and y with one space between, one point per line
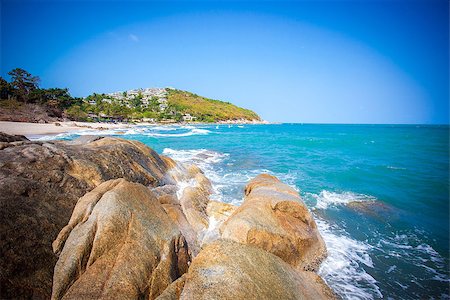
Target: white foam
395 168
182 185
343 268
328 199
409 248
212 232
163 128
152 131
205 160
189 133
201 157
226 185
47 137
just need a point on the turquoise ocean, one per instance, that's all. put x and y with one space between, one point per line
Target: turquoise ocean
379 193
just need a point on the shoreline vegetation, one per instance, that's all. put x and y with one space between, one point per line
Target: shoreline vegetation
22 100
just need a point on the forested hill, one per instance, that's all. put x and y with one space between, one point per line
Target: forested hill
21 97
207 110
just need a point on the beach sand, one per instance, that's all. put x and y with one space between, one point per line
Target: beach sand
33 129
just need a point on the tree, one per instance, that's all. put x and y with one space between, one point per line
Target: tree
53 97
136 102
23 83
6 89
153 104
76 113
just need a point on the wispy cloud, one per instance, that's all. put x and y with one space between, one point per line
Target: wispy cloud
133 37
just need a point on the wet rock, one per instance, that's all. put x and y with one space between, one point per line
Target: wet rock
167 194
187 207
218 212
194 202
376 209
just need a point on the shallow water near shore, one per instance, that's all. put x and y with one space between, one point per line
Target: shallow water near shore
379 193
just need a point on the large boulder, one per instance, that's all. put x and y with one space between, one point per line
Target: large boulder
40 183
118 244
274 218
230 270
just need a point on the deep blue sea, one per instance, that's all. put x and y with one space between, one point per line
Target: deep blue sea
379 193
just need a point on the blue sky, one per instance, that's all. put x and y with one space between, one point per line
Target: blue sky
303 61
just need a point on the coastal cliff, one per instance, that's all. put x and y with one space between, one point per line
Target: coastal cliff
102 218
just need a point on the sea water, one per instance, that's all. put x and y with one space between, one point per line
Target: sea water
379 193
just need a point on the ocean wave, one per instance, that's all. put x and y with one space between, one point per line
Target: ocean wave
201 157
395 168
349 264
343 268
230 184
151 131
43 138
162 128
326 199
195 131
215 165
206 160
182 185
413 251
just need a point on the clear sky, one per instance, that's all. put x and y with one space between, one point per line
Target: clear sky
303 61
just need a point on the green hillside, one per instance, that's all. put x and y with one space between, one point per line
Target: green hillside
22 97
207 110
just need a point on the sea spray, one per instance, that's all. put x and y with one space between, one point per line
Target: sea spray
344 267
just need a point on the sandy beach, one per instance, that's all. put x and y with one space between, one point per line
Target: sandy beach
32 129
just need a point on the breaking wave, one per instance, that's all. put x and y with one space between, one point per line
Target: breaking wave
151 131
344 267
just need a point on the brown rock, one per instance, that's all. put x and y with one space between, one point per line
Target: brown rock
169 162
173 291
194 202
230 270
175 213
11 138
375 209
39 187
21 112
119 244
274 218
219 210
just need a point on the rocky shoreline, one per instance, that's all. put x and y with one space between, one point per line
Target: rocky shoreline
107 218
